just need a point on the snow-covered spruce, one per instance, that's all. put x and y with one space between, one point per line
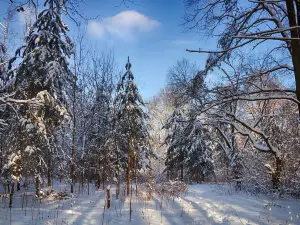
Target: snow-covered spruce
42 74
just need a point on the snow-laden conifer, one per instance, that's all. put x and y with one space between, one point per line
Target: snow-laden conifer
43 75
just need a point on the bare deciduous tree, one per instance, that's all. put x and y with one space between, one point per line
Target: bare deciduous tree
251 24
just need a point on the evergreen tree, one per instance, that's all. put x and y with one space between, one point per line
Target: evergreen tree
188 147
176 154
199 160
43 74
132 122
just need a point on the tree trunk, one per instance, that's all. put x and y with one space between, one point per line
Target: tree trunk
18 185
17 172
128 168
295 45
181 172
1 153
108 196
150 181
277 173
135 174
135 166
103 178
238 185
73 135
37 187
99 175
118 176
88 183
130 207
4 185
8 186
11 194
82 180
49 170
98 180
73 161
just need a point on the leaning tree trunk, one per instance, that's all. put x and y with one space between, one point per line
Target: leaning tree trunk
295 43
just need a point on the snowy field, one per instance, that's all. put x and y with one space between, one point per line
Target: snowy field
203 204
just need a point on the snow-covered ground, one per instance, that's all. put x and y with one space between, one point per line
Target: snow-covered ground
203 204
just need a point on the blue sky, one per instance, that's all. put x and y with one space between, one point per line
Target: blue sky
148 31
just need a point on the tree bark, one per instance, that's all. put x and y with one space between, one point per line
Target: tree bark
135 174
73 132
82 181
1 153
37 187
8 186
88 182
295 46
99 176
108 197
103 178
128 167
11 194
277 173
135 166
130 205
18 185
118 176
181 172
73 161
49 170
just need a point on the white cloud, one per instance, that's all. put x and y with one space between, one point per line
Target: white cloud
95 29
124 25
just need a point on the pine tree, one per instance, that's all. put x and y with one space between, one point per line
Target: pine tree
43 74
176 154
199 160
132 122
